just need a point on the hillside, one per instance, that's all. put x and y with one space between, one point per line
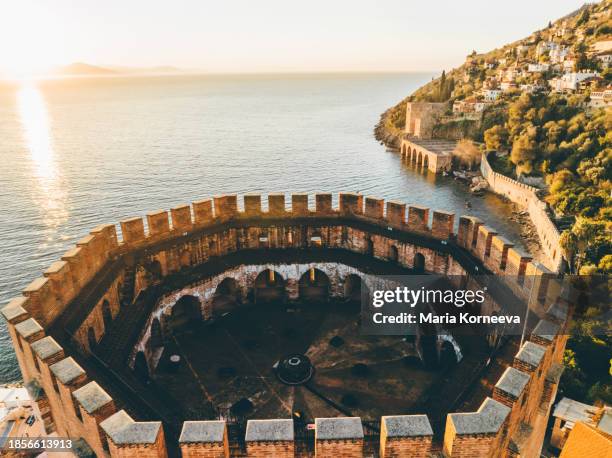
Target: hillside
543 105
82 69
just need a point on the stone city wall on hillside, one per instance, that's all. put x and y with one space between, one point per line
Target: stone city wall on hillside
85 289
526 197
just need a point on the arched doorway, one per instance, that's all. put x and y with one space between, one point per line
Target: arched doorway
107 315
153 271
119 292
91 339
157 338
393 253
185 259
269 287
419 263
226 298
212 248
314 285
495 332
264 240
448 356
185 314
427 345
315 239
141 368
369 248
355 290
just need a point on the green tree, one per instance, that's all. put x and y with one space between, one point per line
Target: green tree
605 266
584 17
524 150
496 138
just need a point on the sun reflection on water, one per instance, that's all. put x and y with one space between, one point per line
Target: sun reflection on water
48 190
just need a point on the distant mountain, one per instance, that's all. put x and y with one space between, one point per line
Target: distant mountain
140 70
80 68
83 69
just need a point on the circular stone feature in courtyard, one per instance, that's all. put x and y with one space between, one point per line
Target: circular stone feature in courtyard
294 369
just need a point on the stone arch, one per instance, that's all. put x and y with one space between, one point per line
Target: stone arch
238 237
269 286
314 284
263 239
353 287
316 238
157 338
495 333
393 253
185 258
369 247
154 270
448 355
107 315
212 248
119 292
419 263
186 312
427 345
425 160
91 339
289 238
419 158
141 367
226 297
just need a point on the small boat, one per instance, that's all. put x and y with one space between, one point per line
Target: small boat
468 204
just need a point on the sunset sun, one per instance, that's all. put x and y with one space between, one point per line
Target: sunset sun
30 44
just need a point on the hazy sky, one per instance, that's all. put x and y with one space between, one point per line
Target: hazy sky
264 35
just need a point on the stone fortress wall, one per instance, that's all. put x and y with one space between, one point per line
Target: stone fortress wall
525 196
419 147
86 285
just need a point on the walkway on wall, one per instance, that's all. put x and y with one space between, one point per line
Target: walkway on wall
81 306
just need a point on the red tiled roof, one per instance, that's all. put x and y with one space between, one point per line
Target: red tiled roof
586 441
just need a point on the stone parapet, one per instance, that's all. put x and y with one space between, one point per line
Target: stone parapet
81 408
204 439
405 435
339 437
526 197
267 438
128 438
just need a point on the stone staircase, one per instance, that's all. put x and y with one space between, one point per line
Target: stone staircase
118 341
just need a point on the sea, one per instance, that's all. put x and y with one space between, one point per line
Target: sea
75 153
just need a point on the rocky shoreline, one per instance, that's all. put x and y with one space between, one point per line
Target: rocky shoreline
384 132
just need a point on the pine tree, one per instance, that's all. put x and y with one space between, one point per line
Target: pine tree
584 17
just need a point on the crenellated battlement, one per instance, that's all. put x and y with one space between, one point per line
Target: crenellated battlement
78 406
526 197
48 295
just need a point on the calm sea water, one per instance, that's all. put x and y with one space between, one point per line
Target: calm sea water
77 153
